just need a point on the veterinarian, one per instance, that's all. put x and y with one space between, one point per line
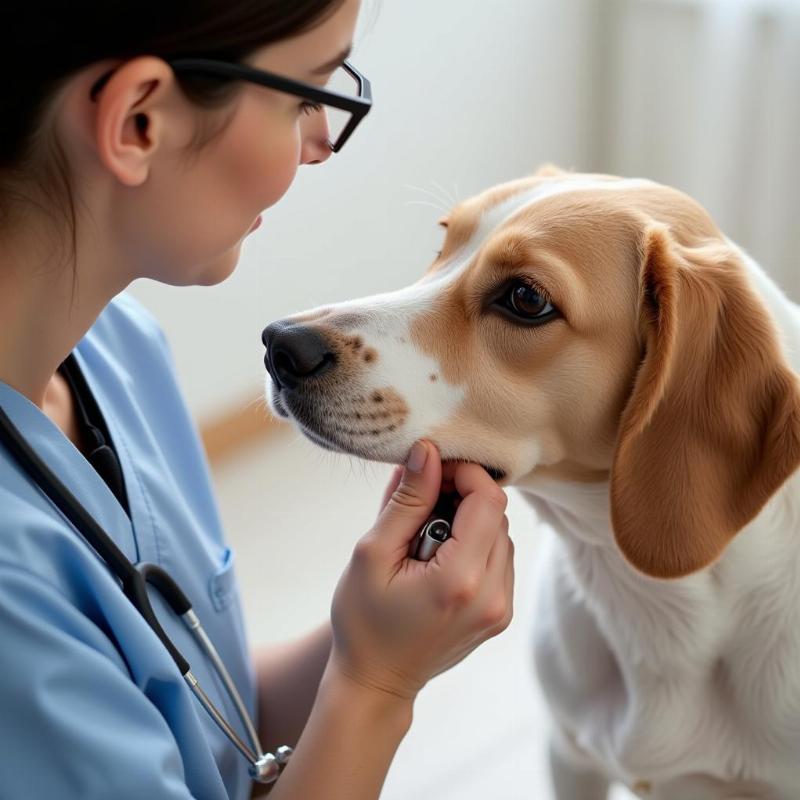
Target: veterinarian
142 140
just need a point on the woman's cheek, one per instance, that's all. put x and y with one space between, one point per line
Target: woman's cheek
264 155
279 171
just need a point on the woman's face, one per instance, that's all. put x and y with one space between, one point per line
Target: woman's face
186 223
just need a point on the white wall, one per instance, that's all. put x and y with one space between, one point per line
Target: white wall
705 95
468 93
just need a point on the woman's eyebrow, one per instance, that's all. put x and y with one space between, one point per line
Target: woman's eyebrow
331 65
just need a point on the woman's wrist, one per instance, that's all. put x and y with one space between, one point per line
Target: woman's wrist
349 742
370 700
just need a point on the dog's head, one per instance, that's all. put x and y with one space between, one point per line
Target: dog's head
586 327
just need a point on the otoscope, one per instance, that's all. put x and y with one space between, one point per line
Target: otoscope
436 531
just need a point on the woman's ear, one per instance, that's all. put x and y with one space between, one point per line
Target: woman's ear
129 120
712 427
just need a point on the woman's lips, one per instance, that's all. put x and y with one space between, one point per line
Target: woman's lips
256 224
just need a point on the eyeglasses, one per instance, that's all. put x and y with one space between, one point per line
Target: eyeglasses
346 99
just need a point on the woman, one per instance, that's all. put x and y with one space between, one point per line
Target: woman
121 160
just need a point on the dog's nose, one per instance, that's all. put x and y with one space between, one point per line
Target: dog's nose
295 353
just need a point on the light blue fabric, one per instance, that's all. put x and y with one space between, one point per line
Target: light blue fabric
91 705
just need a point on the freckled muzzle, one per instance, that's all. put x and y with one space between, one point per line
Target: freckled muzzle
326 378
320 380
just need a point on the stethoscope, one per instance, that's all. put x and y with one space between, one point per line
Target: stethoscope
264 767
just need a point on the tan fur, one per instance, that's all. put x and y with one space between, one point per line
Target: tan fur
549 170
462 221
712 427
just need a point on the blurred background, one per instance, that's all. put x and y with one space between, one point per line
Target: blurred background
699 94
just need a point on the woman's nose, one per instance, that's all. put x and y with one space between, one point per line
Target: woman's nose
316 139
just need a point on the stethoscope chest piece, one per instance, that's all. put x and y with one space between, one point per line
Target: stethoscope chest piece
267 768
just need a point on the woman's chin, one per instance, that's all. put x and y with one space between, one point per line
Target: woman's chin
219 270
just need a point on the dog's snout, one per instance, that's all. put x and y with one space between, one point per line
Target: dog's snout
295 353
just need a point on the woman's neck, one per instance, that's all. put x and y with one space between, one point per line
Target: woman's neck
59 405
47 305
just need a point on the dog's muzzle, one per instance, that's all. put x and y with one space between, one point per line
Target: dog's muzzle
295 354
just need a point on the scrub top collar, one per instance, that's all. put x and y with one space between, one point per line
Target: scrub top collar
78 475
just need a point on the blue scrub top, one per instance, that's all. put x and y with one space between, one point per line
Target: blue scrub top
91 704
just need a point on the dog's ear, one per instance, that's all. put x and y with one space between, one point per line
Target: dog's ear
712 427
549 171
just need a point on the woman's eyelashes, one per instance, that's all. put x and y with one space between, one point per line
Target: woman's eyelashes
524 302
307 107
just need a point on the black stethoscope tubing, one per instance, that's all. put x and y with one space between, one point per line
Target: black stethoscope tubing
264 767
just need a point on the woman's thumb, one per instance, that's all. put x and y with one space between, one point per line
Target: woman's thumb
412 501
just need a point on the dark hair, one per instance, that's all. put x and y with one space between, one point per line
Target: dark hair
46 43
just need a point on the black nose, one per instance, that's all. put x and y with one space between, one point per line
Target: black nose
295 353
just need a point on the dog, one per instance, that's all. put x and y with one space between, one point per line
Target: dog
600 345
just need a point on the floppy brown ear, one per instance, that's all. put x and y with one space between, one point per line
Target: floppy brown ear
712 427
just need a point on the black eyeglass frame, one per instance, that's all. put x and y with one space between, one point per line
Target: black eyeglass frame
358 107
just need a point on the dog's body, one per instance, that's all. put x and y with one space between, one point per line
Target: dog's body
651 415
698 677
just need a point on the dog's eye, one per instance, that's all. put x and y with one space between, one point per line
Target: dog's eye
527 302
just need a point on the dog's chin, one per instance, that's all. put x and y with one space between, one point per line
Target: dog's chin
392 455
326 435
393 450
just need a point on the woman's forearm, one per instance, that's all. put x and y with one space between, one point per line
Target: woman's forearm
288 677
348 744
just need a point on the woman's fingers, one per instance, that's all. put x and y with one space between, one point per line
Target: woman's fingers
480 516
493 609
499 554
409 503
394 482
496 601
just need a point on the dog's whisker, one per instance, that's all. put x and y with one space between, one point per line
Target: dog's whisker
425 203
441 203
260 402
451 200
297 439
423 190
442 193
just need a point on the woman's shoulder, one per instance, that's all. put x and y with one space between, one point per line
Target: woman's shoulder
35 543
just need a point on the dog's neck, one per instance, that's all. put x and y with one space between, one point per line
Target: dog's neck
667 627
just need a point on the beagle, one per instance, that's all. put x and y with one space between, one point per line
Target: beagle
600 345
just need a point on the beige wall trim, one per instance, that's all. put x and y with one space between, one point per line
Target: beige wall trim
227 433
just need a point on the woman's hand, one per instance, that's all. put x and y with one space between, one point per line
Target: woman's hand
398 622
